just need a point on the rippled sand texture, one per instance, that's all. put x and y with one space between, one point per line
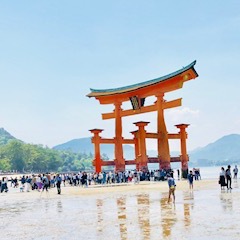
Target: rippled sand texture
127 212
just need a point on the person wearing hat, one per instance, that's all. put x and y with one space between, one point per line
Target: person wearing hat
172 186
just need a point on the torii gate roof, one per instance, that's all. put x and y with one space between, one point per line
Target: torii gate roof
167 83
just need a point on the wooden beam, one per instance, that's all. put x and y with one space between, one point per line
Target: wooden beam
152 135
173 103
106 140
170 135
133 162
174 136
130 112
146 109
112 141
128 141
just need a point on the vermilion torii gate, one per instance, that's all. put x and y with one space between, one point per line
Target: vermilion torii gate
137 94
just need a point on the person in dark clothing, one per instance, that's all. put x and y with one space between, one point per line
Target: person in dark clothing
45 182
178 174
229 177
84 179
190 180
4 186
222 178
58 180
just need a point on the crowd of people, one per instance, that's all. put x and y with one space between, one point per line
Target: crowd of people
43 182
38 182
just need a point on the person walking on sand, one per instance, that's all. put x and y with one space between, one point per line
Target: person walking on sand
45 183
222 181
190 179
229 177
58 181
172 186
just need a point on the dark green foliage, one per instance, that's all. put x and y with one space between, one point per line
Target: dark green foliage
16 155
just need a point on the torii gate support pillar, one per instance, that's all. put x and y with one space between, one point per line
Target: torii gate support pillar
184 156
142 159
96 140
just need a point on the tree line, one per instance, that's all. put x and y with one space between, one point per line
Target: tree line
22 157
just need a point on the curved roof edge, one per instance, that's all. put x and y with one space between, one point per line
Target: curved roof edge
142 84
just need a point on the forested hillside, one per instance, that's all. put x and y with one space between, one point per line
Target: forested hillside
16 155
19 156
5 136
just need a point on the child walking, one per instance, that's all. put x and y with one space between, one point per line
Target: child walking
172 186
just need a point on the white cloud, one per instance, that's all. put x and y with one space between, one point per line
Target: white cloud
181 115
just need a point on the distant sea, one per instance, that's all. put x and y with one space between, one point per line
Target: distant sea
209 172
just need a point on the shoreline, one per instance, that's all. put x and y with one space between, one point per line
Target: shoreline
162 186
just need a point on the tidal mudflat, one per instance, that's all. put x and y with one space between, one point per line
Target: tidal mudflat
122 212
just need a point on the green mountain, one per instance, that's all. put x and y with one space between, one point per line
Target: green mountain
5 136
84 145
225 150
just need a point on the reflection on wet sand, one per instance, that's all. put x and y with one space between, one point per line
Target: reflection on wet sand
235 183
99 203
122 217
143 215
226 201
138 214
168 216
188 203
59 206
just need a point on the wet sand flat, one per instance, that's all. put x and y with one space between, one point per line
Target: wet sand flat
129 211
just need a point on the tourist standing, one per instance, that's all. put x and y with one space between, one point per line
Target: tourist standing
172 186
58 181
4 186
235 172
15 182
190 179
39 182
45 182
222 181
135 177
23 181
178 174
84 179
28 183
229 177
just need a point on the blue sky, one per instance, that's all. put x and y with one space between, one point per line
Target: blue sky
53 52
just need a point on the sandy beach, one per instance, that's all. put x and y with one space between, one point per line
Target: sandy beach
126 211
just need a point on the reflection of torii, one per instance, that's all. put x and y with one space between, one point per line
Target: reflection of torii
137 94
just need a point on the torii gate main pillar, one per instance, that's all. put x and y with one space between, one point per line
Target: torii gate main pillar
119 160
96 140
163 145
